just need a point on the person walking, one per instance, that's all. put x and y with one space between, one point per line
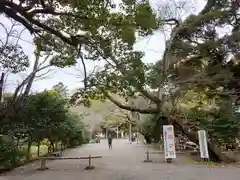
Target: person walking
110 142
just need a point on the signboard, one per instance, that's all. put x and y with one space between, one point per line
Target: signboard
203 144
169 142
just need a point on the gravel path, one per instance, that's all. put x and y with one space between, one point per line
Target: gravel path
124 162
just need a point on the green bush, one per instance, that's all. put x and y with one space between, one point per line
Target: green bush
86 140
10 156
76 139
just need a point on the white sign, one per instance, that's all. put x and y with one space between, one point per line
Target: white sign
169 142
203 144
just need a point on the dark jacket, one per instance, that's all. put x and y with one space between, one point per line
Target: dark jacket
109 139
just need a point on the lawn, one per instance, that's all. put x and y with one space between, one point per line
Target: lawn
34 150
43 150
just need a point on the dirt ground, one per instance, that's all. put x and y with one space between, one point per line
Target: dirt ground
123 162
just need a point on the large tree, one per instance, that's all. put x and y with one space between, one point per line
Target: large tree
196 57
16 62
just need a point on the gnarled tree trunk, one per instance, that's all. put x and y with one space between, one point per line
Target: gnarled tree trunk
148 138
215 152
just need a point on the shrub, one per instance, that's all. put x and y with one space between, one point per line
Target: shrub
10 156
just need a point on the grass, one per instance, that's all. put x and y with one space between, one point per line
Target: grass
34 156
43 151
34 149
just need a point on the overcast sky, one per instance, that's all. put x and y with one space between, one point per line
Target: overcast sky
153 46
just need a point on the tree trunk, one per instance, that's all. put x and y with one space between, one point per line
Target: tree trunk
52 145
61 146
1 86
28 155
215 152
56 146
33 74
148 139
38 148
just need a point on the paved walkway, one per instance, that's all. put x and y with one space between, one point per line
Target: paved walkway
124 162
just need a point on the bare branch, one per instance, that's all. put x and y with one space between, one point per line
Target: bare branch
19 36
26 80
44 61
44 74
6 31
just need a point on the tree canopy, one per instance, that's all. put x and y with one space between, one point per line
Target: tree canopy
90 29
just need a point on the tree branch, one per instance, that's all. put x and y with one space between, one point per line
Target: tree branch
208 6
50 11
167 60
84 66
148 95
26 19
12 14
31 79
175 21
140 88
52 31
44 74
26 80
129 108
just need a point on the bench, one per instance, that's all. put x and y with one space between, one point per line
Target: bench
43 165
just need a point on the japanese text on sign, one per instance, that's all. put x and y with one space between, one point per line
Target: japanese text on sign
169 143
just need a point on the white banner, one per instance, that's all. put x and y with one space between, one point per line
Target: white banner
203 144
169 142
